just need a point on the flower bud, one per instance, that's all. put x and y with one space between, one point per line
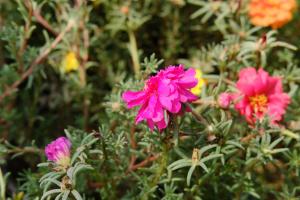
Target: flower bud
224 100
124 10
58 151
195 156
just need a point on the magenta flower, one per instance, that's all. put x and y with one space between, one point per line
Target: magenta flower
260 95
163 94
58 151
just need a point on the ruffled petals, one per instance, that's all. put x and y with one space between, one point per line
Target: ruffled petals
260 95
162 95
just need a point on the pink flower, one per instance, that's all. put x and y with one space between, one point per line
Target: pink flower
260 95
58 151
225 99
163 94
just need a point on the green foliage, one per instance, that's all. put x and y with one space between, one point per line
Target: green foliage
208 153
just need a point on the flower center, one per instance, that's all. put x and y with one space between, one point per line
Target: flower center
259 102
151 84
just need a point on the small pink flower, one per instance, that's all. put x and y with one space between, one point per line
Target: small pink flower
58 151
163 93
225 99
260 95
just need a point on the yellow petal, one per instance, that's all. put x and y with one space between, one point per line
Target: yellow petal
197 89
69 62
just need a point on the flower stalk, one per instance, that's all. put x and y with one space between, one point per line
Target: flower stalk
134 51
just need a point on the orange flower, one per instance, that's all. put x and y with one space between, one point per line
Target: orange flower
274 13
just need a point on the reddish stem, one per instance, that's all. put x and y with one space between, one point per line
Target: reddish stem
145 162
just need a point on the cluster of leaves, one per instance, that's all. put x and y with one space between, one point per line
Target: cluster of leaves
209 153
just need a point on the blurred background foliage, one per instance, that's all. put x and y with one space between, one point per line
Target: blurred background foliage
64 64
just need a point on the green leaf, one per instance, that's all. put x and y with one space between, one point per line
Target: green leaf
66 195
206 148
201 164
210 157
50 192
189 175
76 195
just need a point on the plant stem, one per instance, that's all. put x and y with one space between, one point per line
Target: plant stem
176 131
133 146
10 89
207 102
82 71
258 60
163 162
134 51
82 75
144 162
198 117
24 150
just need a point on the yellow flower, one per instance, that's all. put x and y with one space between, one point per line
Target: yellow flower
18 196
274 13
69 62
197 89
